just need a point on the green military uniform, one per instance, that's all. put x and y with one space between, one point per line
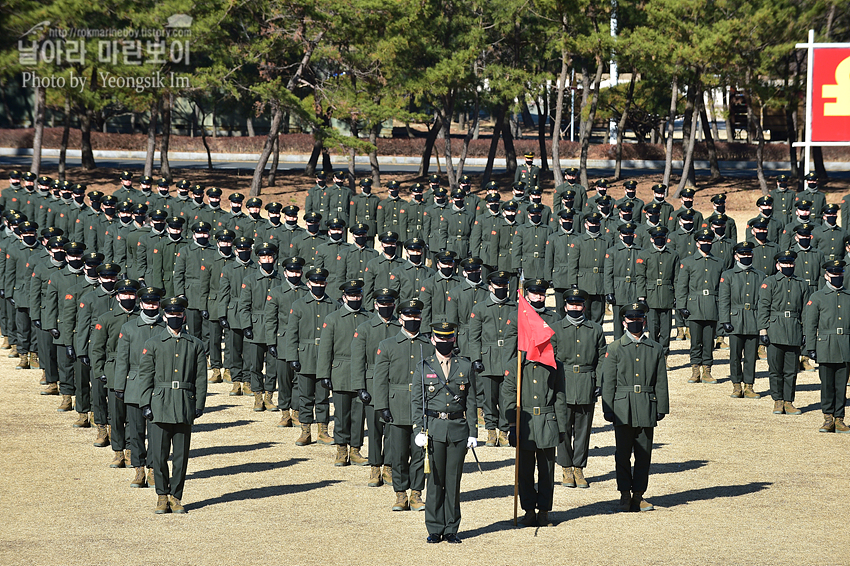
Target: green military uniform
390 214
586 269
43 273
306 244
212 284
497 245
363 209
332 256
230 288
763 254
383 271
657 269
829 238
783 200
414 275
190 280
315 201
460 300
432 220
528 173
435 290
20 262
414 217
558 249
529 245
569 185
359 254
814 196
483 228
337 199
456 228
620 283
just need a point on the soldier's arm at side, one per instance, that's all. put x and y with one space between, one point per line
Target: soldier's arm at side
608 280
122 361
180 273
358 357
97 349
291 338
472 405
724 298
560 398
811 313
200 371
381 381
516 258
661 391
243 306
609 378
147 371
682 284
270 320
763 313
326 349
416 399
507 393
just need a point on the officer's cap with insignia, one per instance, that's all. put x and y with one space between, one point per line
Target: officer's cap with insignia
366 182
834 266
15 175
659 188
627 228
274 207
492 185
197 189
236 197
184 184
336 223
57 242
54 184
536 285
127 286
28 226
689 214
566 213
145 180
831 209
652 209
510 205
312 218
93 259
108 269
688 192
385 295
627 206
759 224
718 199
159 215
658 231
321 175
783 178
176 222
458 193
440 191
593 218
804 205
225 235
719 219
95 196
214 192
493 197
464 180
126 176
163 183
518 185
16 218
352 287
787 256
52 231
576 296
568 194
254 202
414 244
265 248
139 209
291 210
634 310
67 186
150 294
804 229
744 248
499 277
471 264
393 184
243 242
572 171
529 155
765 200
340 174
602 183
79 189
704 234
201 226
535 191
317 274
74 248
412 307
175 305
535 208
125 206
417 188
445 330
359 229
434 179
388 237
446 256
811 176
293 263
630 184
30 176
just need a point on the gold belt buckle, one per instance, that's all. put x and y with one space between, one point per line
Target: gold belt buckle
576 369
595 270
535 411
316 341
536 254
748 306
637 389
628 278
659 282
175 385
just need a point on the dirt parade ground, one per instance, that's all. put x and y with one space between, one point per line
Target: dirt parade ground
731 484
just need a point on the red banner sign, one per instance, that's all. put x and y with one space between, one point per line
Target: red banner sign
831 95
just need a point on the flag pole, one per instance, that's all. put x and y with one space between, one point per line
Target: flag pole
516 455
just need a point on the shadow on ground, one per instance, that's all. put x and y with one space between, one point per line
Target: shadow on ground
208 427
262 493
246 468
215 450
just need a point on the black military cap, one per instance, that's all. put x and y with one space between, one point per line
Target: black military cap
518 186
535 208
628 206
175 305
388 237
52 231
804 205
765 200
834 266
393 185
811 176
417 188
446 256
804 229
290 210
66 186
458 193
125 206
529 155
225 235
17 218
443 329
140 208
317 274
658 231
415 244
353 287
602 183
201 226
150 294
535 191
566 213
214 192
126 176
464 180
244 242
568 194
510 205
93 258
16 175
321 175
236 197
576 296
831 209
366 182
572 171
704 234
336 223
146 180
109 201
412 307
759 224
79 189
54 185
593 218
493 197
95 196
634 310
274 207
433 178
57 242
689 214
627 228
74 248
385 295
159 215
294 263
688 192
783 178
471 264
265 248
499 277
108 269
127 286
176 222
184 184
659 188
719 219
787 256
630 184
652 209
312 218
254 202
197 189
340 174
360 228
743 248
605 201
28 226
30 176
440 191
718 199
536 285
492 185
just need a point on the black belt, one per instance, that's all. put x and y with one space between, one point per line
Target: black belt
539 410
445 416
176 385
635 389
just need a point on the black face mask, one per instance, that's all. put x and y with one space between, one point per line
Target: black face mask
389 251
687 226
215 203
76 263
746 260
235 209
830 220
418 197
291 223
226 251
254 215
567 226
605 210
79 199
705 247
198 199
294 279
30 240
720 231
367 190
629 239
761 236
313 228
493 208
243 255
593 228
440 201
447 270
146 190
474 276
444 348
415 259
317 290
535 218
108 286
174 322
659 242
627 216
139 219
91 272
805 242
688 204
267 267
151 313
163 192
787 271
394 194
537 304
360 240
183 194
96 206
767 212
412 326
386 311
659 198
158 226
510 217
336 237
631 194
125 220
203 241
175 237
109 210
59 256
355 304
653 218
635 327
275 220
837 281
458 203
720 208
127 304
501 293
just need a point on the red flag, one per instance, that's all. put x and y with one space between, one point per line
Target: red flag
533 335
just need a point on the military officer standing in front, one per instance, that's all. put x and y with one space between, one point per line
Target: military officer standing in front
528 172
173 374
634 398
444 414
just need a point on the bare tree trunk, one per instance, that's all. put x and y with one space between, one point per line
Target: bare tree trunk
66 129
87 155
212 119
494 143
318 144
275 161
715 133
165 140
527 120
473 125
730 119
425 163
587 123
817 157
38 136
151 149
689 155
542 118
671 124
687 124
790 111
621 127
249 125
508 142
352 153
326 160
709 139
755 122
447 111
373 154
257 179
556 127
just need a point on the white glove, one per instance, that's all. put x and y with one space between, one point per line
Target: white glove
472 442
421 439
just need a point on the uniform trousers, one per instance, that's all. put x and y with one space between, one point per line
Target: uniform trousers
11 330
65 369
702 341
164 436
136 429
256 355
559 300
743 350
833 388
442 505
24 330
99 401
658 322
618 322
572 452
234 356
196 327
493 416
379 444
82 386
312 397
348 419
638 441
782 360
215 332
47 356
408 460
595 308
285 384
118 422
544 458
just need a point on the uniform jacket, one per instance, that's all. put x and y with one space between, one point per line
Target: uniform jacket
397 360
173 375
304 330
737 299
334 361
456 396
634 382
826 325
